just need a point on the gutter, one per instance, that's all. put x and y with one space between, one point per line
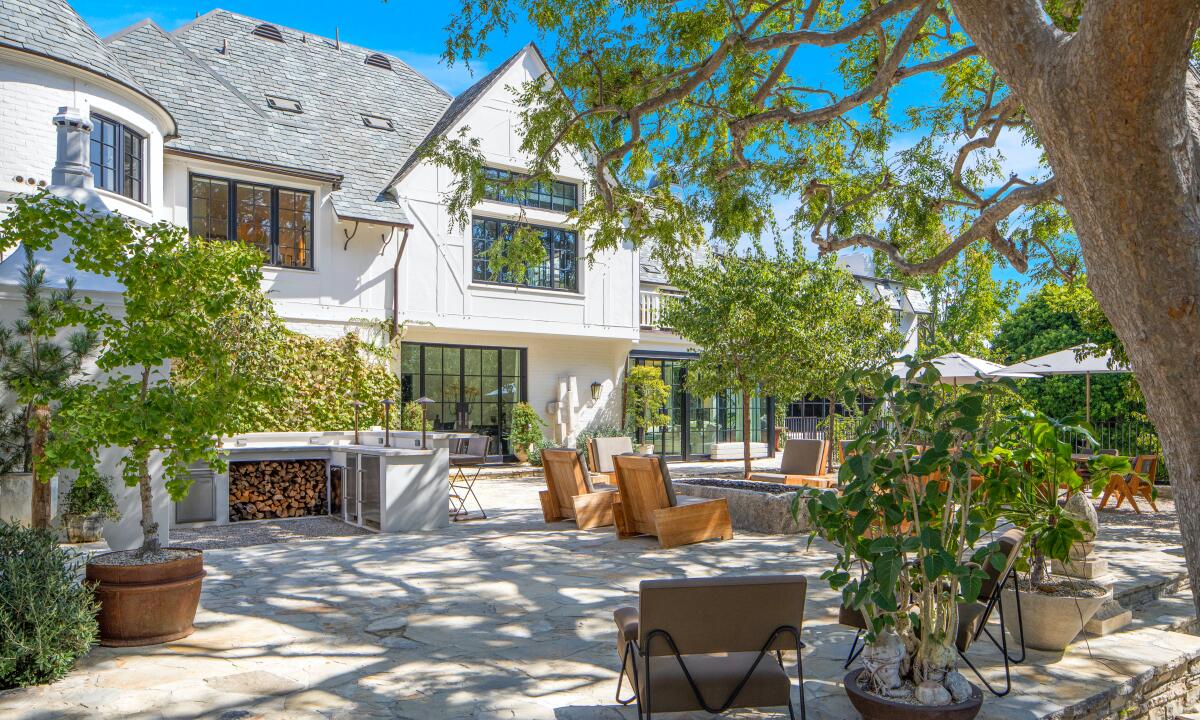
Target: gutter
396 285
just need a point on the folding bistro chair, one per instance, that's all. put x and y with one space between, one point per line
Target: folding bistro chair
1126 487
972 617
462 486
691 644
570 493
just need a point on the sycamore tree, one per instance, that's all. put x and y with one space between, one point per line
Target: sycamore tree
741 101
781 326
185 300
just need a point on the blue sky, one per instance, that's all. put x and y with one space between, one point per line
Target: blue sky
415 32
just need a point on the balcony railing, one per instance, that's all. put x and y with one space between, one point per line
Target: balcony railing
651 308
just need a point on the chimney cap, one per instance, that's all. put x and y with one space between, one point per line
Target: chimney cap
71 117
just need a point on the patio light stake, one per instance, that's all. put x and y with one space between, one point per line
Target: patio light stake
356 405
424 402
387 422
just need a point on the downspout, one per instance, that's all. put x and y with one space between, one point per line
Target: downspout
396 286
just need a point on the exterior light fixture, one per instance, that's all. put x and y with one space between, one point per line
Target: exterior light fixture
356 405
424 402
387 422
596 388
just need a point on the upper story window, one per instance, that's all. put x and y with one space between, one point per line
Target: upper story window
559 271
548 195
276 220
117 154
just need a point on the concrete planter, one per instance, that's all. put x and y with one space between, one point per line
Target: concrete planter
84 528
16 498
1051 621
753 510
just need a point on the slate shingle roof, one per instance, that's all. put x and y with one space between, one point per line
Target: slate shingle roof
219 99
52 28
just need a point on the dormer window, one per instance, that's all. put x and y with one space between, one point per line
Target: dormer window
378 123
116 157
268 31
285 104
379 60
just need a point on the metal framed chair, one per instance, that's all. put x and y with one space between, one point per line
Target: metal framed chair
462 486
692 645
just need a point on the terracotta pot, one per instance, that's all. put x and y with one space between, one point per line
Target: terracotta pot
874 707
522 453
147 604
84 528
646 449
1051 622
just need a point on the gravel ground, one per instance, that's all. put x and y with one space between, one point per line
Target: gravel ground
262 532
130 557
767 487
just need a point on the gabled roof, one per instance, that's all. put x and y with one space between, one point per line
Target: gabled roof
52 29
457 109
215 76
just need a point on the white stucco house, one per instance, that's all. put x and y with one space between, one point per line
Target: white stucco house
309 147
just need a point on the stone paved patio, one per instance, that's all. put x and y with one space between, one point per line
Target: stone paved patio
509 618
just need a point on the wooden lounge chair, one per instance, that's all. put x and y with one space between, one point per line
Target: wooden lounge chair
803 463
1126 487
602 450
647 505
570 493
691 645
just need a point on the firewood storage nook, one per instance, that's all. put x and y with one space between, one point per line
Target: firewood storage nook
266 489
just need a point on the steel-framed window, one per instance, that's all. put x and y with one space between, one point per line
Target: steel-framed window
116 155
559 271
276 220
544 194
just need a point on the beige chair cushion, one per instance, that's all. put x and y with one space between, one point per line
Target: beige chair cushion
803 457
606 447
716 676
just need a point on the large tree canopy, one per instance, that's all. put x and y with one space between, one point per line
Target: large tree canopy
718 98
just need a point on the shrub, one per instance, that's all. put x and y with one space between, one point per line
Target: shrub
89 494
526 427
535 451
645 396
412 415
47 619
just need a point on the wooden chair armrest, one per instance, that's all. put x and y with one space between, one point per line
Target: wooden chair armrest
693 521
594 509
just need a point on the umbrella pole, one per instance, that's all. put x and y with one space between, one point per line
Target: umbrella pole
1087 397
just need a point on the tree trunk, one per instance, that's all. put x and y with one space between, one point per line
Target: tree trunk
39 420
150 541
1118 110
746 434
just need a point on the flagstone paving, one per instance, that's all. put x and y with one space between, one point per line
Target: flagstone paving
510 618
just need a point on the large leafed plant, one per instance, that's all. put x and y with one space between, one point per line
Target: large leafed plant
185 299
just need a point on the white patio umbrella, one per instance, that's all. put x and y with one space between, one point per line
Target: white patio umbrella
958 369
1069 362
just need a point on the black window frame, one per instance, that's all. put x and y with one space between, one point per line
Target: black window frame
273 255
547 244
121 136
495 193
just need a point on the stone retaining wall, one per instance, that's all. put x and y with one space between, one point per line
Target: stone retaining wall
1162 693
753 510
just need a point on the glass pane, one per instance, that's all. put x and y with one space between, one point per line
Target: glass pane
451 360
491 362
254 216
511 361
433 360
472 361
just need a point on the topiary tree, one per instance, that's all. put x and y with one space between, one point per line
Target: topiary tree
39 358
185 299
525 428
645 396
47 618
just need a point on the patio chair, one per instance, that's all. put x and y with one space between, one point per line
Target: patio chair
647 505
803 463
570 493
602 450
691 645
1126 487
471 454
973 617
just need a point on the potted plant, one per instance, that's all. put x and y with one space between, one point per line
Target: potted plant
905 524
1035 466
39 357
524 431
185 301
645 396
89 503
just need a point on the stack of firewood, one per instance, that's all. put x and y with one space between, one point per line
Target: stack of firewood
276 489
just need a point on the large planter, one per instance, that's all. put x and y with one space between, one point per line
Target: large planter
645 449
874 707
522 453
84 528
147 604
1051 622
16 498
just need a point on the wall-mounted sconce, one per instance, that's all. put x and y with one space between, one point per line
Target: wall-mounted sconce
596 388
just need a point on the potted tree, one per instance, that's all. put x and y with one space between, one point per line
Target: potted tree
905 524
525 430
1035 467
39 358
645 396
89 503
185 300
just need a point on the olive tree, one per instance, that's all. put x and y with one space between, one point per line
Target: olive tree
721 96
